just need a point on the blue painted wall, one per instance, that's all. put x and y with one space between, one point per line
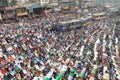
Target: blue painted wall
37 5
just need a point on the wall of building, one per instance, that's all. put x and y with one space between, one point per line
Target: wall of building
3 3
33 1
53 1
44 2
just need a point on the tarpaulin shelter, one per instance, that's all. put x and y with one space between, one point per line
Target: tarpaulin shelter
30 8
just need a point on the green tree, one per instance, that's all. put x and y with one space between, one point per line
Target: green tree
14 2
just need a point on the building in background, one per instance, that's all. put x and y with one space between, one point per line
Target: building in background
33 1
9 12
3 3
53 1
23 1
44 2
67 5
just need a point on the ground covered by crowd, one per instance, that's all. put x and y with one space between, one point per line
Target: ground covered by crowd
34 52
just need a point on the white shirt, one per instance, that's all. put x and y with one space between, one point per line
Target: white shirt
24 71
49 75
9 48
118 77
64 68
1 54
98 41
36 78
105 69
81 50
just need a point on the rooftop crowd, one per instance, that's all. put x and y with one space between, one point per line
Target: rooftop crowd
34 52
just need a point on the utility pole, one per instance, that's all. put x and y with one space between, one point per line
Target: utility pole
14 2
59 3
79 4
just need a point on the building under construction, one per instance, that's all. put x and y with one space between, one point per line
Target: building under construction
67 5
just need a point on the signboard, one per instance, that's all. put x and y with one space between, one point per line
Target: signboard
10 8
22 14
8 15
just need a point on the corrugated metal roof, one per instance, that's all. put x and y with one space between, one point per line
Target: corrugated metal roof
37 5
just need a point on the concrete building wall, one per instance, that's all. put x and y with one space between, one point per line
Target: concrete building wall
44 2
53 1
33 1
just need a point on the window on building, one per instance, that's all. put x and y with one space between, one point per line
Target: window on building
45 1
0 3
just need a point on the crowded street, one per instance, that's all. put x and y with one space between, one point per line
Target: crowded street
32 50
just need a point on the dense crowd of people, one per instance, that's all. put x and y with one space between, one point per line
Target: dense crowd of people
31 51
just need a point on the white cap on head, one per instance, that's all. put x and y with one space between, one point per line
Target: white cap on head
15 45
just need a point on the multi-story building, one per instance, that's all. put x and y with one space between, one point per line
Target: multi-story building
67 5
33 1
44 2
53 1
23 1
3 3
